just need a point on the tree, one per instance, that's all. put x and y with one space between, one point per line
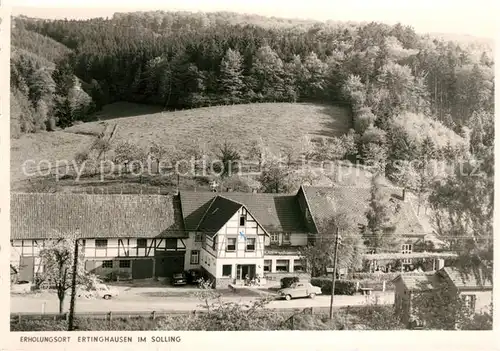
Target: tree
230 159
101 146
268 71
231 75
321 253
127 153
379 233
57 257
442 308
273 178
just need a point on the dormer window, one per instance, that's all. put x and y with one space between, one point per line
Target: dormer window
243 217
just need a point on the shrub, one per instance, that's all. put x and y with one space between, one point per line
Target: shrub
286 282
342 287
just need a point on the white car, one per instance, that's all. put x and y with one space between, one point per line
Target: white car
102 291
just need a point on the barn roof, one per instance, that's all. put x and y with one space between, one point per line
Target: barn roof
41 215
418 282
274 212
324 201
467 280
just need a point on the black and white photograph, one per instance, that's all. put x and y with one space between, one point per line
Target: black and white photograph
249 166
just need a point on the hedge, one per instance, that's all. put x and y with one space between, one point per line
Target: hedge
286 282
342 287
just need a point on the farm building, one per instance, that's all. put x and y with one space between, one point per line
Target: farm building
476 291
230 236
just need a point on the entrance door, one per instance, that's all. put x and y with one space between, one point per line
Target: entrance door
168 264
244 270
142 268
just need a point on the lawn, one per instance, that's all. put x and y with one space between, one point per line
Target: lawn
280 125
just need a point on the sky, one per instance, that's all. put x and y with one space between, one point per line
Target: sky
438 16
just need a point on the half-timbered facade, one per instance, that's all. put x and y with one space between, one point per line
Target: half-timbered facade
132 236
228 235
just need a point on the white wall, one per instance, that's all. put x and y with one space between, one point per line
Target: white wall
192 245
483 299
258 262
232 229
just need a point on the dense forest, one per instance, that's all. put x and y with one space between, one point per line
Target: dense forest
412 97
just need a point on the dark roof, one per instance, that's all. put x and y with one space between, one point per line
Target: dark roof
38 215
418 282
467 280
220 211
275 212
324 201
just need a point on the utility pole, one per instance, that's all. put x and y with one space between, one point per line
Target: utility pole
337 240
73 289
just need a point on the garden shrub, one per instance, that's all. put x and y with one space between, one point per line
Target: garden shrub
286 282
342 287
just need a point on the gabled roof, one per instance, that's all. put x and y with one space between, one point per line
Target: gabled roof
220 211
38 215
274 212
325 201
418 282
467 280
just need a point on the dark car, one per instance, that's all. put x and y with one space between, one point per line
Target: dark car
193 276
179 279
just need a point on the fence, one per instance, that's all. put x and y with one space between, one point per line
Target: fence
19 317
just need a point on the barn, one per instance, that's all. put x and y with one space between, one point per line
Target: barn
124 236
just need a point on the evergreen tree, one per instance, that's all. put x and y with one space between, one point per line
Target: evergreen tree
379 233
231 75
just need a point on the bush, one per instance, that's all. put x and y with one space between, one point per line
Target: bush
286 282
342 287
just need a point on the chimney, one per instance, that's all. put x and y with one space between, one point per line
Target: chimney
440 263
404 194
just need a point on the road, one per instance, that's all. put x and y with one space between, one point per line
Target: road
134 302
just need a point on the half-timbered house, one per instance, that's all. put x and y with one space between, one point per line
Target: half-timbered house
230 236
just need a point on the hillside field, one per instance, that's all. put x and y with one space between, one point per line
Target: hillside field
280 125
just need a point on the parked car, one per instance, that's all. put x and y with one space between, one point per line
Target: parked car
193 276
101 290
300 289
179 279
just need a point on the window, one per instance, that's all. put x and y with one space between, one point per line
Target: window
470 302
231 244
198 237
282 265
101 243
142 243
195 257
267 265
406 249
107 264
286 238
214 243
243 217
250 244
275 238
171 244
226 270
297 266
124 263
